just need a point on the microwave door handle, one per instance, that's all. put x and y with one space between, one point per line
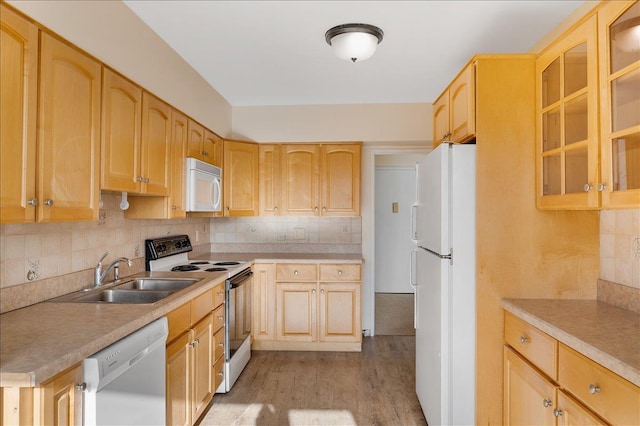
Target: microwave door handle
216 192
414 223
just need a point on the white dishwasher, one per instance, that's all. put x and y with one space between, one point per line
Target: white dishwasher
125 382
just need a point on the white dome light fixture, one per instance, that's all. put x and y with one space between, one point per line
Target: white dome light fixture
354 42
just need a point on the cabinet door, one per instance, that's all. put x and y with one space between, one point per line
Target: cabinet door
18 109
68 134
179 384
203 353
339 312
619 106
121 124
572 413
155 145
62 401
212 148
264 302
300 175
529 397
296 306
340 166
270 174
179 133
441 119
240 179
462 121
567 169
195 140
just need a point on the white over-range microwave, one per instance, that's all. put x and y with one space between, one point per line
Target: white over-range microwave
203 192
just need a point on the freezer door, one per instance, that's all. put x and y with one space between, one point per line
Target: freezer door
432 383
433 200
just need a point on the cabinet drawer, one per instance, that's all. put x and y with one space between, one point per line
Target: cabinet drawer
614 398
201 306
340 272
538 347
296 272
218 318
218 342
179 321
218 373
218 295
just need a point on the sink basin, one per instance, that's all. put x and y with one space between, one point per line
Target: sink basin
155 284
123 296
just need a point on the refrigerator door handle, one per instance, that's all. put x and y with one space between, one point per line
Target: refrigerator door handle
441 256
414 223
414 284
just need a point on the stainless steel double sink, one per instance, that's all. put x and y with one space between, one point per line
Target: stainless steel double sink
134 291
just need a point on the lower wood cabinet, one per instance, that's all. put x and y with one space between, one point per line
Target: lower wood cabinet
578 392
195 356
307 306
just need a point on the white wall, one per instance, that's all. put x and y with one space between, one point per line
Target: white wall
113 34
392 229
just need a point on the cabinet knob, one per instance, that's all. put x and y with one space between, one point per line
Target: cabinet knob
295 272
324 209
147 180
220 374
139 179
174 207
547 403
523 339
220 318
315 209
601 187
32 201
81 387
322 291
313 291
48 202
557 412
588 187
221 345
594 389
339 272
275 208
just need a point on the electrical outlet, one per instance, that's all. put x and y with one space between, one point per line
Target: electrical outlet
298 233
345 229
197 235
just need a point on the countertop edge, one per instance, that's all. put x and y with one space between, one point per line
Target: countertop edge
607 360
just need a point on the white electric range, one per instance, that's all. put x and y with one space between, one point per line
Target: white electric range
170 254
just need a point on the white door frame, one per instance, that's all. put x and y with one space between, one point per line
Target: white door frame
370 294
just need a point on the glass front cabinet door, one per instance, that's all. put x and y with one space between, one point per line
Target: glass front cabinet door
567 121
619 41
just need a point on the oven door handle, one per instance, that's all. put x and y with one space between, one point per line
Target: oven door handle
240 279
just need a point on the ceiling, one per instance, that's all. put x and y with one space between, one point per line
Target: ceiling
274 52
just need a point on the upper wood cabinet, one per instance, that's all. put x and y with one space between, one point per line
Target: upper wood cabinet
270 179
136 135
454 111
68 134
18 109
240 178
204 144
619 105
179 133
320 179
567 121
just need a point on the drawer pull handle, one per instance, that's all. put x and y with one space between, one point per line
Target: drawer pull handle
594 389
220 318
547 403
220 374
557 412
221 345
295 272
81 387
523 339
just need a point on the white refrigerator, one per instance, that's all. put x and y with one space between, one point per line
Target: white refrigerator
443 276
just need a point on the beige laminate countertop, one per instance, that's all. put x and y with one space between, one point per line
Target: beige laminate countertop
605 333
284 257
40 341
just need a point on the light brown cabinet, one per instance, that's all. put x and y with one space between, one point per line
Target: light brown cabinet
310 180
307 306
68 133
18 109
454 110
204 145
136 138
546 382
240 178
194 347
619 105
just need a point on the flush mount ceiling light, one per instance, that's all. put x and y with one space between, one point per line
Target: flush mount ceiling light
354 42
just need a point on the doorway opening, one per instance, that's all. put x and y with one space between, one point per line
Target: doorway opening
395 192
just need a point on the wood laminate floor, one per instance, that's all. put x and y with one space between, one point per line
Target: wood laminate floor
373 387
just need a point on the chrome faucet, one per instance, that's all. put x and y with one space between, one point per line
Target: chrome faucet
99 275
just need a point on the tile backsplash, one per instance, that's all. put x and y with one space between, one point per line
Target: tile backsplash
620 246
31 252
